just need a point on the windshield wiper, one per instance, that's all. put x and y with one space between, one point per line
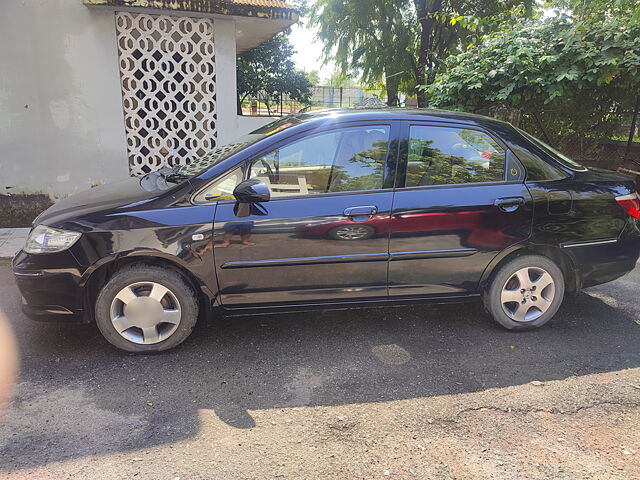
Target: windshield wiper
173 174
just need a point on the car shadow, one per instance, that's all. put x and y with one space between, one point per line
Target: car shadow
239 365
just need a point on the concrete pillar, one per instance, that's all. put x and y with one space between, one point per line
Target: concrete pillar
224 40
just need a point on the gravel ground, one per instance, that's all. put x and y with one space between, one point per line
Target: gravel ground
431 392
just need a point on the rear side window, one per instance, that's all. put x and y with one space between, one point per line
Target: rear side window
448 155
558 156
349 159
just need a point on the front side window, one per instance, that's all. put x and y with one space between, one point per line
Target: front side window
349 159
448 155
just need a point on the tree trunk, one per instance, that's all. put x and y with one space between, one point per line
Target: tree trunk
238 104
632 130
392 84
427 23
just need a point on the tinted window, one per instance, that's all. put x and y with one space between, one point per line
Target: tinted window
222 188
445 155
198 165
559 156
348 159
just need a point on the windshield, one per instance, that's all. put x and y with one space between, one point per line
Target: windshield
559 156
217 155
196 166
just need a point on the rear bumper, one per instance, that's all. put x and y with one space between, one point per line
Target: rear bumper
49 285
604 260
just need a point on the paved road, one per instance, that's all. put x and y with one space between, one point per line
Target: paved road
410 392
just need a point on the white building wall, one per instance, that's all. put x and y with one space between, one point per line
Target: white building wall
61 117
245 124
61 121
230 125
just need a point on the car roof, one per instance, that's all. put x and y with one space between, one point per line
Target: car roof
397 113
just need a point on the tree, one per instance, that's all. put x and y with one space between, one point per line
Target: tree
313 76
402 43
566 74
447 26
337 79
594 9
370 38
267 71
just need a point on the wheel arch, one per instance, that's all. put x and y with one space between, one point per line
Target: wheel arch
554 253
98 277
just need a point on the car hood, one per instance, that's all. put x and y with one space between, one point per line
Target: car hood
109 196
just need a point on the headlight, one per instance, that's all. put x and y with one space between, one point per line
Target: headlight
43 239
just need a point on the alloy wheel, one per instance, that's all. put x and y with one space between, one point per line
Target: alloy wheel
527 294
351 232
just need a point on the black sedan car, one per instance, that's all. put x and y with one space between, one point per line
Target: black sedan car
330 209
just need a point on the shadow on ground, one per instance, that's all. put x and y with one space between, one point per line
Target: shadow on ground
79 396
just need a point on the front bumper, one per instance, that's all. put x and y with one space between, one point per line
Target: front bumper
50 286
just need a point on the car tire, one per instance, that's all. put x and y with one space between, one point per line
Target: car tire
525 293
352 232
146 309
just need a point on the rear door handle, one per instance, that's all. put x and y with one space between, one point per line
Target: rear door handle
509 204
364 211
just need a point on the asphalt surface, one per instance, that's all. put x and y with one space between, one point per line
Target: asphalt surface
409 392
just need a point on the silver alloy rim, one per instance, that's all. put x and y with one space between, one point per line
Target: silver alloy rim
145 313
528 294
352 232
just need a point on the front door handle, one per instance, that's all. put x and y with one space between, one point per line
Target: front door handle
509 204
360 212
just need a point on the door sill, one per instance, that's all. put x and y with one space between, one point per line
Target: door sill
348 304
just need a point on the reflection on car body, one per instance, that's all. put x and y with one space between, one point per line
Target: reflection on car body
330 209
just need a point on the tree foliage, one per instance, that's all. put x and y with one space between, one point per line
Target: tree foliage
367 38
446 27
402 43
268 71
568 74
595 9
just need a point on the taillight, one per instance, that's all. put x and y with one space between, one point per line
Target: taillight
631 203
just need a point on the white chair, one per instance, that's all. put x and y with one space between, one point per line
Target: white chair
285 189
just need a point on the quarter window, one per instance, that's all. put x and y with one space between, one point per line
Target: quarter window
446 155
348 159
222 188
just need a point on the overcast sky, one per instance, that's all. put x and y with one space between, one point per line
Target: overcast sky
309 50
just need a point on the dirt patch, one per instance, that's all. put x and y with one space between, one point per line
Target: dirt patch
20 210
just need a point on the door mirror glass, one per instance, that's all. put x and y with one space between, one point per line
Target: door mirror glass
252 191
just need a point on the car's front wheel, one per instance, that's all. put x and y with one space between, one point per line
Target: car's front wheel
525 293
146 309
352 232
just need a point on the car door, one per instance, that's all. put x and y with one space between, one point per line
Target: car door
323 235
461 201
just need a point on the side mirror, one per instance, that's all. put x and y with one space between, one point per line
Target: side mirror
252 191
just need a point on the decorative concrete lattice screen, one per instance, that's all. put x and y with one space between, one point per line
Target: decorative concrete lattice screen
167 71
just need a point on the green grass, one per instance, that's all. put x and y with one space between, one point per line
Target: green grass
5 262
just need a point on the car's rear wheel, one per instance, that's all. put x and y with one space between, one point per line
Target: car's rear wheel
525 293
145 309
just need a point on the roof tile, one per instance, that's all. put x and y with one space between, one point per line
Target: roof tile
263 3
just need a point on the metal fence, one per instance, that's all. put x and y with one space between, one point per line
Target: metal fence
620 149
321 97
